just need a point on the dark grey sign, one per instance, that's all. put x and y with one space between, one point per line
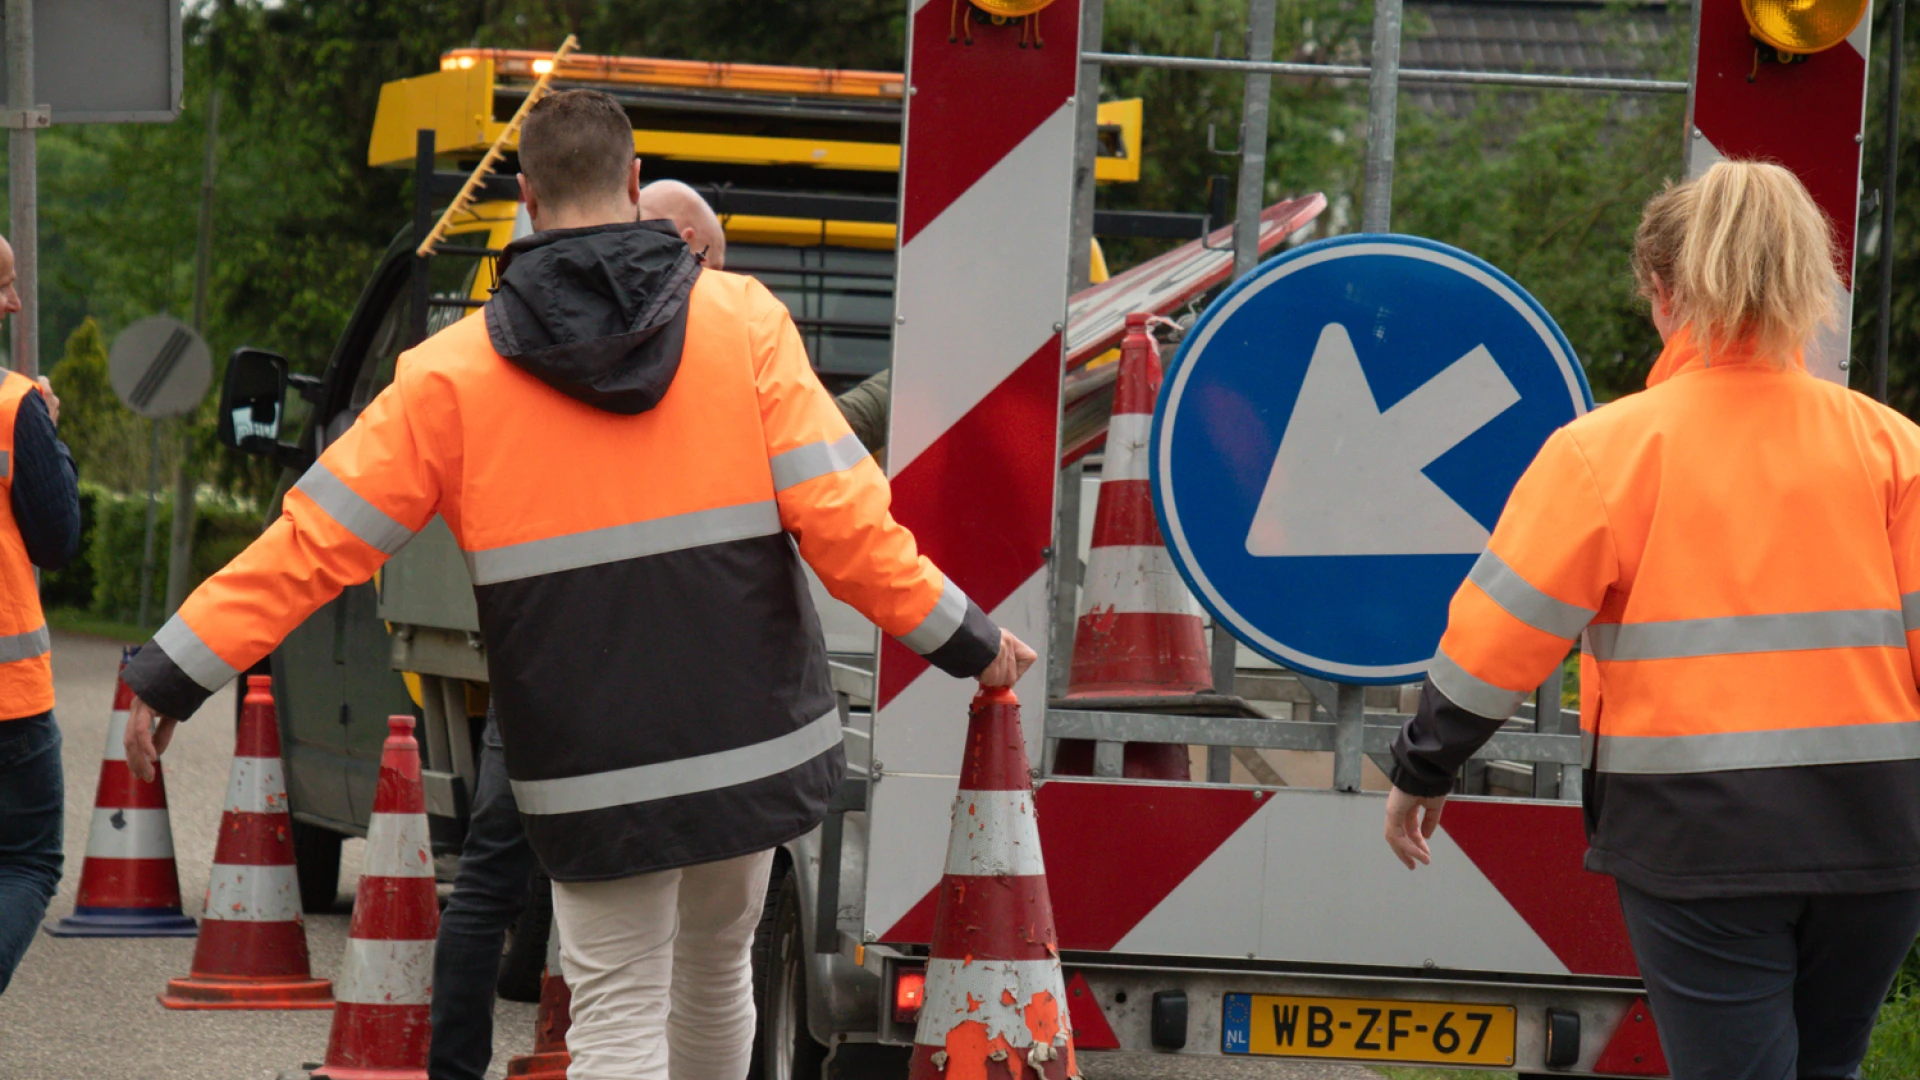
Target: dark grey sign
105 61
160 367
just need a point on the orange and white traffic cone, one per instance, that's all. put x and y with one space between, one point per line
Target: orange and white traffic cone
996 1003
1141 634
380 1027
549 1059
252 952
129 885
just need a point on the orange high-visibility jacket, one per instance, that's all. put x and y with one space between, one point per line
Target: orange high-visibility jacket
1737 548
634 462
26 652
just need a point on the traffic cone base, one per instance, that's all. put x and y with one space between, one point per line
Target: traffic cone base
252 952
548 1066
129 885
995 1005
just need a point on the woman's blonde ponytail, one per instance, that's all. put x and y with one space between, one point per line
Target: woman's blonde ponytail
1756 261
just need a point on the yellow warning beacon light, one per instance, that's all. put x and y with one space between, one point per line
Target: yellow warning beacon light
1799 27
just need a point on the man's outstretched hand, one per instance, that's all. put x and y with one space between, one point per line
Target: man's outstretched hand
146 740
1014 660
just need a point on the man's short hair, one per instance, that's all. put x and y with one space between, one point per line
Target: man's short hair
576 146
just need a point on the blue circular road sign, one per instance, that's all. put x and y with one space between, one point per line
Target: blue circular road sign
1335 440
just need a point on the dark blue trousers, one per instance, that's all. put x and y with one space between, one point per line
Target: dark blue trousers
489 891
1770 987
32 819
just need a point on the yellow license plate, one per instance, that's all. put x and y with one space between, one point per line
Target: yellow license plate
1428 1032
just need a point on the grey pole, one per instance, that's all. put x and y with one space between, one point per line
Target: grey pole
1383 104
146 547
185 483
22 187
1086 138
1249 200
1251 196
1890 179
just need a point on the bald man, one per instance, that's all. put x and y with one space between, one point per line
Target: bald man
692 218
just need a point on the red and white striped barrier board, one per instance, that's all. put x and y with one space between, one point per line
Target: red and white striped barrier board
252 952
994 986
1806 116
129 884
980 306
380 1027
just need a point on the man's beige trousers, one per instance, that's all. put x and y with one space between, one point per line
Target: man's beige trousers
660 966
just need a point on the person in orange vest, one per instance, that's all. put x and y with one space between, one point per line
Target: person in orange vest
39 526
1738 550
636 456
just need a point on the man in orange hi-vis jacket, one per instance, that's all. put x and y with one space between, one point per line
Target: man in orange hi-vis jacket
635 456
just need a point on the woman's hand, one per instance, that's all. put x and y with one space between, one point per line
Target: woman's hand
1411 821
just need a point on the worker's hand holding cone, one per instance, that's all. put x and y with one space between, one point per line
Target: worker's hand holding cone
996 1002
380 1027
252 952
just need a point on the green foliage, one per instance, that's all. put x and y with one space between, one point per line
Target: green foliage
111 445
104 580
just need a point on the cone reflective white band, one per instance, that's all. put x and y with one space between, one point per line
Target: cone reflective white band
116 737
385 973
1126 454
253 894
397 847
257 786
129 834
958 991
1136 580
1001 837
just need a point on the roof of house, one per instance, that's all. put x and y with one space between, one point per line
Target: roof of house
1631 39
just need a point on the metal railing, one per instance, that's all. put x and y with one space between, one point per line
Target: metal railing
1362 72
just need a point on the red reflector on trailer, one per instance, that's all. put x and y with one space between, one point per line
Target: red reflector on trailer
1634 1049
909 993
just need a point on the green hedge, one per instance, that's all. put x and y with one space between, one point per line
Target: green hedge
105 578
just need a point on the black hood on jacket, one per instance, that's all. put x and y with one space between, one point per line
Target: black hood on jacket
599 313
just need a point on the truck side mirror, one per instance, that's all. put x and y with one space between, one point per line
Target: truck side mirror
253 401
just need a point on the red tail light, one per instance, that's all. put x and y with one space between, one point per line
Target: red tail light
909 993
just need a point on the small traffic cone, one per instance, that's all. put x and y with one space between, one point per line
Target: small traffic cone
1141 634
996 1002
252 952
380 1027
549 1059
129 885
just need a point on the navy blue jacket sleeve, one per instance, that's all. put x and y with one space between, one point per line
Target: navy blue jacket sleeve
46 490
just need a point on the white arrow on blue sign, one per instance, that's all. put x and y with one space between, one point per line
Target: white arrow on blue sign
1336 438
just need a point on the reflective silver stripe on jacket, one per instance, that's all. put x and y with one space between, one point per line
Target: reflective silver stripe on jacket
354 513
1796 631
1910 611
25 646
1471 692
804 463
618 543
941 623
1525 602
192 656
1721 751
687 776
6 464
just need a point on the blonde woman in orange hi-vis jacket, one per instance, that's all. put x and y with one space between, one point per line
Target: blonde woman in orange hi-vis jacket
1737 551
636 456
